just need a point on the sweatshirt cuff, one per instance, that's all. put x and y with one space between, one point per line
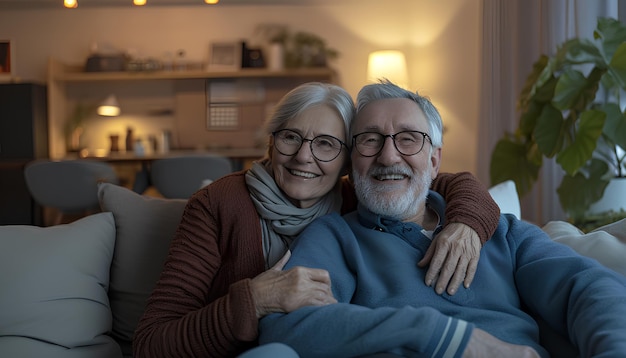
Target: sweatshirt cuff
454 340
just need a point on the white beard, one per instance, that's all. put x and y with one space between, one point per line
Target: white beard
399 205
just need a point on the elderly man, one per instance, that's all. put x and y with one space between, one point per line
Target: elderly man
370 255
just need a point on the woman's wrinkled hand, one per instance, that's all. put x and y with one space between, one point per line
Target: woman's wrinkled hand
453 257
285 291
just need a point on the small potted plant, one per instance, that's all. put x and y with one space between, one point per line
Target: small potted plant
276 37
302 49
571 110
309 50
74 127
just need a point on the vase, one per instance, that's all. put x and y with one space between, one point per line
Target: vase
276 57
614 198
115 142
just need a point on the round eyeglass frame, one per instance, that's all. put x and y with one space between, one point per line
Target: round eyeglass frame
393 139
342 144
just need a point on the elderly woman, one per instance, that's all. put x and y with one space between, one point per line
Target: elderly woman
223 270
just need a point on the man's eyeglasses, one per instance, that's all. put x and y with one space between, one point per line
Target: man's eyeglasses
369 144
324 148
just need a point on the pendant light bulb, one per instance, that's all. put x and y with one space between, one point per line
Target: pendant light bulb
70 4
109 108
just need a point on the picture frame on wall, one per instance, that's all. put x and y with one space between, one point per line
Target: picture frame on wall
225 56
7 59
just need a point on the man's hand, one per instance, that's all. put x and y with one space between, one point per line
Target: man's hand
453 257
483 344
285 291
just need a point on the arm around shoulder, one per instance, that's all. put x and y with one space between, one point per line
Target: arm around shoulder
468 202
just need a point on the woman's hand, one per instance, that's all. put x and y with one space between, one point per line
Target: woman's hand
453 257
285 291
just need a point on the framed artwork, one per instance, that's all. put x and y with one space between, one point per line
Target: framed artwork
7 59
225 56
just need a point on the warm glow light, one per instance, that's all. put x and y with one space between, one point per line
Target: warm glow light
70 4
388 64
110 107
211 2
139 2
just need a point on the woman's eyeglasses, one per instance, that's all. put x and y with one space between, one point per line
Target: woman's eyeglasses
324 148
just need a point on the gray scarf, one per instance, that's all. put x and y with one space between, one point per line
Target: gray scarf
281 221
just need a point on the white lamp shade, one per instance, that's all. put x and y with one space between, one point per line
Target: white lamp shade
389 64
110 107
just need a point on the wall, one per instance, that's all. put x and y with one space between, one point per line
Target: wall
441 40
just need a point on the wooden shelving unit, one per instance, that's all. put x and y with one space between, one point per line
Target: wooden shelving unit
65 79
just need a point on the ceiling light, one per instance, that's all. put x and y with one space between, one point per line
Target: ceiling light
139 2
211 2
70 4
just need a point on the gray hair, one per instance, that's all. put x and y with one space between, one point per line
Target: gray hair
308 95
385 89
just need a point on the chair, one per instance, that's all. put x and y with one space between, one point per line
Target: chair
69 186
180 177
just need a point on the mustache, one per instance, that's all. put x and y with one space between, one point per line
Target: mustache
394 169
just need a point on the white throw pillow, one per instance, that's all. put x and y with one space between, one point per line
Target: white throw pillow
505 195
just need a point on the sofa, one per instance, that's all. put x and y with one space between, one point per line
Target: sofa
79 289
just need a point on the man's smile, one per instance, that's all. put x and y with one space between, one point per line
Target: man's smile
383 177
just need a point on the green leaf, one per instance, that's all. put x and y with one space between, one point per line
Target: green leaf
533 80
617 66
529 118
577 51
548 131
612 33
511 160
545 92
578 192
615 124
574 91
589 130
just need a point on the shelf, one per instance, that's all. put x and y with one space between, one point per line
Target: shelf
73 74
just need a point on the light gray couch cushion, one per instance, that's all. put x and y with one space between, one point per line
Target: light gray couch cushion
145 227
606 244
53 289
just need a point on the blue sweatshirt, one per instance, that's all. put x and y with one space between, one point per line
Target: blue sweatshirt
384 305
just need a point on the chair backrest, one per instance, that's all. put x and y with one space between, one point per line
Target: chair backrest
71 186
180 177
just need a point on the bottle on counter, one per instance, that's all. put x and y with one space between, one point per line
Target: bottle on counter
130 141
165 141
139 149
153 145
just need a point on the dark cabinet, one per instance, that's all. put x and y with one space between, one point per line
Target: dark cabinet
23 137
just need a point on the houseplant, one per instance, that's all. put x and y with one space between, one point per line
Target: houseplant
302 49
570 110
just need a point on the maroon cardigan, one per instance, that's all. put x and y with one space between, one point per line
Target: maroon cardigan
202 304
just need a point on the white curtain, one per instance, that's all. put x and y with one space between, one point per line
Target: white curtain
515 33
